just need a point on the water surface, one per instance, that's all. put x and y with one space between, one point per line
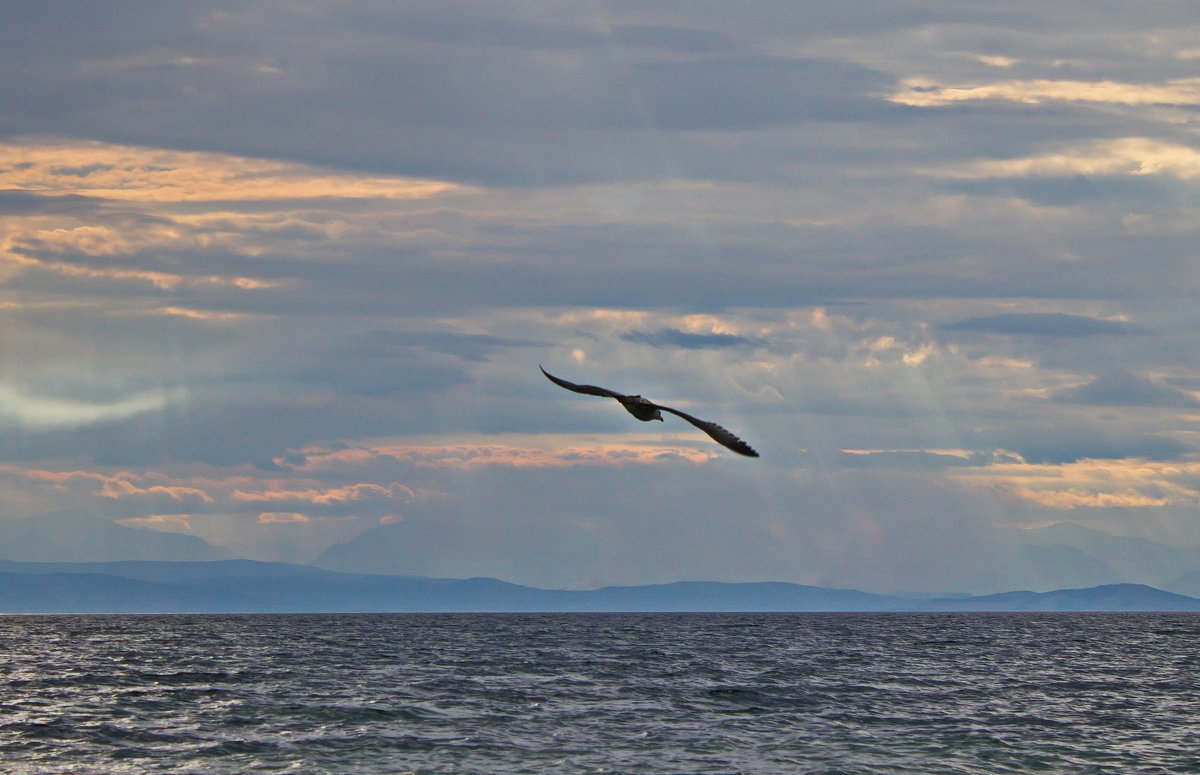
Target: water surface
601 693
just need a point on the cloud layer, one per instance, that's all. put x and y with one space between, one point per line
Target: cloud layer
277 274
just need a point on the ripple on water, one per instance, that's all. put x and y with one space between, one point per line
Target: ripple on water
862 694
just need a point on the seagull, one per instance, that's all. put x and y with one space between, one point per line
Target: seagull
646 410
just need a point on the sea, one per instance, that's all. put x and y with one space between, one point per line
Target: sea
844 694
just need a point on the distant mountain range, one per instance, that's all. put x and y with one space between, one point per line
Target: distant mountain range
235 586
74 562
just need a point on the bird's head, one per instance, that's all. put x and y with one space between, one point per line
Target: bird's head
657 415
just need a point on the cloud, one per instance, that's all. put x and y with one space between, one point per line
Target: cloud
1124 389
468 346
124 486
1083 438
1056 324
916 459
33 410
109 218
19 202
282 518
1179 91
544 451
364 498
277 272
1074 498
1141 193
688 340
1122 156
504 96
1094 484
749 91
122 493
133 173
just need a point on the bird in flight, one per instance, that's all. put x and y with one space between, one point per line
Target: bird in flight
646 410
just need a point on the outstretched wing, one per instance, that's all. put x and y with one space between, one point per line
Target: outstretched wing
718 434
591 390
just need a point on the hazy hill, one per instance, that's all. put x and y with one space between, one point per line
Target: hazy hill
1109 597
70 536
1187 584
720 596
1055 557
246 586
47 593
236 586
1131 560
373 551
1042 566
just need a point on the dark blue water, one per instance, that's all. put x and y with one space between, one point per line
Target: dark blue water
601 693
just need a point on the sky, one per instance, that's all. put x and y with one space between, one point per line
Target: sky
278 274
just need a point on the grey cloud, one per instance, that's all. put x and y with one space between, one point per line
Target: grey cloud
909 459
351 365
246 427
750 92
595 275
91 30
1071 439
245 395
1124 389
767 181
1138 193
526 106
674 38
500 25
1044 324
19 202
471 347
822 18
687 340
508 25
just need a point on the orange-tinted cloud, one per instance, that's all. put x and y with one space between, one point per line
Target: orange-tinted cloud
346 494
924 93
1088 483
542 452
160 175
122 486
281 518
1123 156
1073 498
156 181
